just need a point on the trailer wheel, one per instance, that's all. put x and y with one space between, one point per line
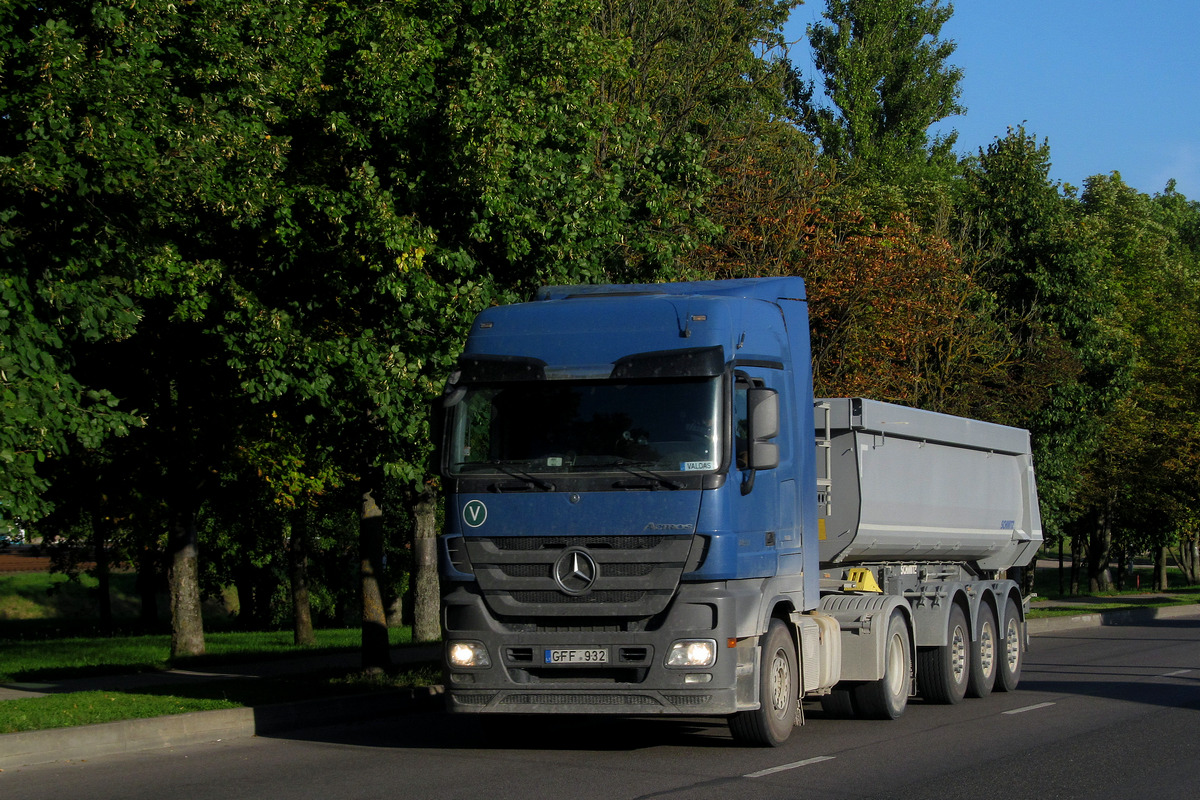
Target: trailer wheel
943 671
1008 673
772 722
985 653
887 697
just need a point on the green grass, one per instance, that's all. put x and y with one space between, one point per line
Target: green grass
55 659
1093 604
76 657
1046 585
50 631
92 707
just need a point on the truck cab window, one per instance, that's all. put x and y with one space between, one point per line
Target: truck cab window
589 426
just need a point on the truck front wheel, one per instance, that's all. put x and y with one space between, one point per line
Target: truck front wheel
943 671
772 722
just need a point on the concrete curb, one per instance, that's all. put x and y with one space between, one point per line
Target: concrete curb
91 741
1101 619
128 736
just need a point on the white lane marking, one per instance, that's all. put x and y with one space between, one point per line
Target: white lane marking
1176 673
1029 708
784 767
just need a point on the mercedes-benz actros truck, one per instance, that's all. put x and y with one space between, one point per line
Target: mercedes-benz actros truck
648 512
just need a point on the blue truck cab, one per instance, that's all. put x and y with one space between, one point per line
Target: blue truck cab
631 497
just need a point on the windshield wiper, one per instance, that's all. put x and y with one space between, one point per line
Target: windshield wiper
507 468
639 470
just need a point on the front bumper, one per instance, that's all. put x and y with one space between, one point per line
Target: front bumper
634 678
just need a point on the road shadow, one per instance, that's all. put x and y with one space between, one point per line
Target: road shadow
1173 692
440 730
1175 684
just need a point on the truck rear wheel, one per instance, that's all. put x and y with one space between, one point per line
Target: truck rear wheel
772 722
887 697
985 650
1012 646
838 703
943 671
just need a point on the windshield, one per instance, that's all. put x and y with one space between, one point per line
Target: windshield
587 426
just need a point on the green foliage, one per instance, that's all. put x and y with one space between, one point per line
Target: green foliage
1036 253
1152 435
242 244
886 72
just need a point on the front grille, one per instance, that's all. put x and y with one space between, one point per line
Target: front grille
590 597
612 570
635 576
591 542
580 700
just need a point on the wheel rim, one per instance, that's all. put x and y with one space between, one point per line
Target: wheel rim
1012 645
987 648
897 666
781 680
958 653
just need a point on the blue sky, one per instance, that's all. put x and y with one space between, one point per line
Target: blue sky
1113 86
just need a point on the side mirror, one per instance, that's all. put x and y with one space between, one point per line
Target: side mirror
762 407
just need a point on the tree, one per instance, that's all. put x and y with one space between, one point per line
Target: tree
139 156
885 71
1145 484
1038 255
292 212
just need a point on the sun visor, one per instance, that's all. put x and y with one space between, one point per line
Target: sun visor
693 362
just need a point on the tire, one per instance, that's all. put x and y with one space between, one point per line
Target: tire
1012 649
985 654
771 723
943 671
887 697
838 703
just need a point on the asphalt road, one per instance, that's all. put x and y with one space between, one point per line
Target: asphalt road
1108 712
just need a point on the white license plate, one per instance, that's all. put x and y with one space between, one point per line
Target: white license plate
576 655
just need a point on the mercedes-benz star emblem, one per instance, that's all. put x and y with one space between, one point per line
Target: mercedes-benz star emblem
575 572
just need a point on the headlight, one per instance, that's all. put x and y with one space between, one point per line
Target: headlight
692 653
468 654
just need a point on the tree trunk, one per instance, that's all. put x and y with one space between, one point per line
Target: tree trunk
147 585
187 624
376 655
1061 573
255 589
1160 570
246 587
1100 550
426 622
1074 564
103 589
1188 560
297 534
